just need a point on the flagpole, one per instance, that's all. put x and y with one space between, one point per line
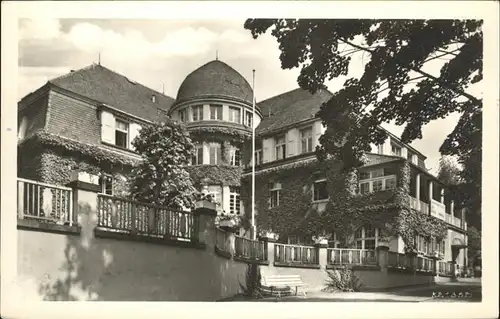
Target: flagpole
254 230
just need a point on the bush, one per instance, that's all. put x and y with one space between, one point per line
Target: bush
342 280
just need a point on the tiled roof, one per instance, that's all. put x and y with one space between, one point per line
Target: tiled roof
290 108
101 84
215 78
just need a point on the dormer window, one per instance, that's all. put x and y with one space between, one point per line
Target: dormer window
215 112
153 98
248 118
182 115
235 115
197 112
396 150
306 140
121 134
280 147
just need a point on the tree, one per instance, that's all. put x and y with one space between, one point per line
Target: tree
449 172
473 245
395 85
161 178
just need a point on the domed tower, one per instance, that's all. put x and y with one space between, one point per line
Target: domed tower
215 104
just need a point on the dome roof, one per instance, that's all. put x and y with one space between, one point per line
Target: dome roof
215 78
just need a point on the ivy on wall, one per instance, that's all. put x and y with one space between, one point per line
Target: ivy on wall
345 211
93 153
217 133
215 174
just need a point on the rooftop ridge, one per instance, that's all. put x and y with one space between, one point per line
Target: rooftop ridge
134 81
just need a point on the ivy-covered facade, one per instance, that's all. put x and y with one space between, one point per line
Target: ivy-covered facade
87 119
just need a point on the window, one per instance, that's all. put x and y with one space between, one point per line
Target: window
390 183
197 112
153 98
182 115
198 155
366 237
234 115
234 200
248 119
214 154
376 180
377 186
215 112
377 173
319 190
364 175
234 156
274 194
280 147
215 192
106 184
396 150
121 134
258 157
364 188
306 140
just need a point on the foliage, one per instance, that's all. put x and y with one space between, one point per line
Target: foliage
449 172
216 174
252 286
461 188
398 52
345 211
94 154
342 279
216 133
473 244
161 178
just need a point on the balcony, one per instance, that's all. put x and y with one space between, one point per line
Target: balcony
419 205
438 210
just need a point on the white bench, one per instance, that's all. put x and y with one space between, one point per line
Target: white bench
283 281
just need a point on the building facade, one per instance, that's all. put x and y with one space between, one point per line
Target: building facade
86 120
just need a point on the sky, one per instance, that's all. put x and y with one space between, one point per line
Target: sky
161 53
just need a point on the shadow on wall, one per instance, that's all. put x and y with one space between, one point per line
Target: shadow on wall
84 263
73 268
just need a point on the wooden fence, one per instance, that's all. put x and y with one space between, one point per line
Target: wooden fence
398 260
123 215
46 202
250 249
341 256
295 254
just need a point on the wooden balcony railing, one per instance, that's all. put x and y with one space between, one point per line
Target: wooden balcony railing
222 240
127 216
425 264
295 254
341 256
419 205
400 261
44 202
444 268
250 249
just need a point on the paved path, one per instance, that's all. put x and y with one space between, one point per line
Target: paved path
407 294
